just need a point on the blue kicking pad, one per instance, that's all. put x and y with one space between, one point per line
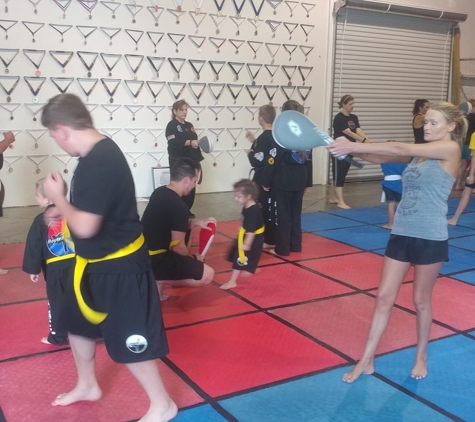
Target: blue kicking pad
363 237
317 221
326 398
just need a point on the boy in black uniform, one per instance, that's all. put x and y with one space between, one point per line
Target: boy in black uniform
247 249
165 223
288 174
114 295
50 249
258 155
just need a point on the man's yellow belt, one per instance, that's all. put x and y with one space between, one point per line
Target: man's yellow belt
91 315
160 251
242 258
60 258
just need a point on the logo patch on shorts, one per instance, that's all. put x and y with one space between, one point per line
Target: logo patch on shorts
136 343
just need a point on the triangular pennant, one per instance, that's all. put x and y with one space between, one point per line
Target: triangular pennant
197 66
89 5
62 83
236 68
197 89
8 84
270 91
304 72
91 107
237 22
216 110
7 56
135 35
272 48
155 38
156 12
304 92
236 44
155 110
307 29
290 48
197 19
216 66
7 24
110 32
252 110
156 63
234 110
291 5
176 64
235 90
62 58
87 85
289 71
176 39
134 87
216 90
158 156
62 29
110 85
217 42
134 9
36 58
253 91
253 70
110 61
156 133
63 5
272 69
111 109
134 109
308 7
112 6
155 88
88 59
10 108
217 20
176 88
134 61
306 50
290 28
110 132
34 83
35 108
255 45
86 31
275 4
288 91
197 41
33 27
273 25
197 110
235 133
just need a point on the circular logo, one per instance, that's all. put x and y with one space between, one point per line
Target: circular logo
270 161
136 343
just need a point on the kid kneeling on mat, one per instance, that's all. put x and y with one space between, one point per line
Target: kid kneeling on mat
247 248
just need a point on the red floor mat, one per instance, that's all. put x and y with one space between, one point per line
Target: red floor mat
11 255
16 286
344 324
218 237
29 386
452 302
361 270
243 352
188 305
283 284
229 228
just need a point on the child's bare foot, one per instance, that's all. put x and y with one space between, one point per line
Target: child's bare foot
360 368
419 371
78 394
229 285
387 226
267 246
343 206
161 415
459 187
3 272
452 221
333 201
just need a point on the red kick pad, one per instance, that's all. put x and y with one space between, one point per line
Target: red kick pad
16 286
11 255
362 270
187 305
283 284
452 302
30 385
244 352
343 323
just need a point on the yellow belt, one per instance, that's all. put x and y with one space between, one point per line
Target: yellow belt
242 259
160 251
91 315
60 258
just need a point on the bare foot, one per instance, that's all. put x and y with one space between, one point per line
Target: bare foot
452 222
458 187
229 285
44 340
78 394
267 246
419 371
333 201
161 415
387 226
3 272
360 368
343 206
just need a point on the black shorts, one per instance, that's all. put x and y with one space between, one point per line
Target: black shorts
417 251
392 196
253 256
133 330
172 266
340 170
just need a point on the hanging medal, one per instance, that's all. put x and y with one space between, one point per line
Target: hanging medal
197 66
35 108
255 24
111 109
197 110
86 31
304 92
216 131
308 7
234 110
255 45
6 25
253 70
234 90
134 61
134 9
156 133
273 25
63 5
270 91
252 110
236 68
156 12
216 91
215 154
134 109
217 20
87 86
62 84
36 134
10 108
177 14
134 156
235 133
178 5
236 44
233 154
155 88
291 5
135 35
197 41
238 5
6 5
61 29
8 84
198 19
7 56
10 160
64 159
135 133
33 27
176 39
197 90
306 50
176 88
237 22
89 5
289 72
306 29
156 63
110 85
198 5
274 4
36 58
304 72
110 32
110 61
35 84
257 8
288 91
273 49
157 156
91 107
37 160
216 67
217 42
155 110
177 65
219 7
290 28
272 69
290 48
110 133
112 6
216 110
253 91
88 59
155 38
35 3
134 87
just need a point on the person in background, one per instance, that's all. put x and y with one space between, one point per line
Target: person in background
419 112
466 150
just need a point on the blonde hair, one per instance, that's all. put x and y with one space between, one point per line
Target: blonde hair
41 190
453 115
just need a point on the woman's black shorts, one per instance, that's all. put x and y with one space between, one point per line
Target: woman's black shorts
417 251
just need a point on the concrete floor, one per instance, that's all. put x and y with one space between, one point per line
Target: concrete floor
16 221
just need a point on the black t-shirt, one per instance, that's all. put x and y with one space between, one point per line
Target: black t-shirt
471 127
252 218
103 185
342 122
259 154
177 134
165 212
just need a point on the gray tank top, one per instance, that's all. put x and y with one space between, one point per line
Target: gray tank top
422 212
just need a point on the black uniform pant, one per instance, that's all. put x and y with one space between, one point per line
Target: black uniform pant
268 215
340 170
55 288
289 227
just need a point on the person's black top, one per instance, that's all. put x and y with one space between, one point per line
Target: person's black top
418 133
284 169
177 134
471 127
342 122
43 243
252 218
103 185
165 212
259 153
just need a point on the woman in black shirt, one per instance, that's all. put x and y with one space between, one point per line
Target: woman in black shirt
347 125
182 141
419 113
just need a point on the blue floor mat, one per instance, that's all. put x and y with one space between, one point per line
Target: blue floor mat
199 414
459 230
317 221
468 277
364 237
325 398
459 260
373 215
464 243
450 381
467 220
453 203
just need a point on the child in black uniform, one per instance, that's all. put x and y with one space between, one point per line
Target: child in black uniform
114 294
50 249
247 249
258 155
